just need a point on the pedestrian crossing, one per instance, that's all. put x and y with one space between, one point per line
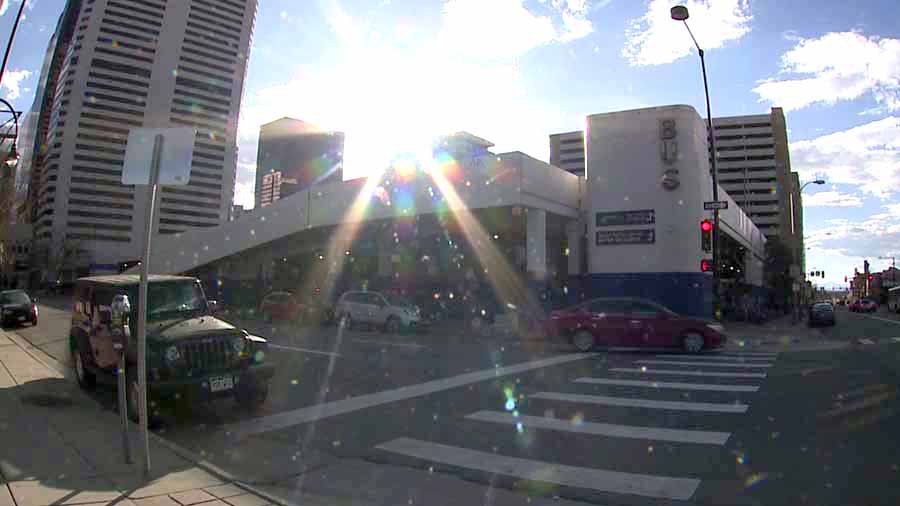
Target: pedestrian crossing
615 409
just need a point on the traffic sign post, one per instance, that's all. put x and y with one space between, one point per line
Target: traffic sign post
153 156
713 205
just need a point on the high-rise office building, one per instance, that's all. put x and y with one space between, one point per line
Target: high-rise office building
567 152
301 153
114 65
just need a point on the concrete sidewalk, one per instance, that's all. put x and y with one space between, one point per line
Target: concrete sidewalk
58 447
779 334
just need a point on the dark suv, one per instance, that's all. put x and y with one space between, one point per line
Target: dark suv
190 353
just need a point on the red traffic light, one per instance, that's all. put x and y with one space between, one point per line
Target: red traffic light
705 265
706 226
871 277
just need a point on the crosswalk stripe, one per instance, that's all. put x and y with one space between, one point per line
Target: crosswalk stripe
667 384
644 370
895 339
317 412
867 341
601 480
604 429
703 364
733 358
643 403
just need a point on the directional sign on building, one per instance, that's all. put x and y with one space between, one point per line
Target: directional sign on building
713 204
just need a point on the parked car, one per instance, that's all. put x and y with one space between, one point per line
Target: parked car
190 353
632 322
16 308
283 306
864 306
391 313
821 313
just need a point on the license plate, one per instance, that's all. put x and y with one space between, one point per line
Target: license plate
21 318
221 383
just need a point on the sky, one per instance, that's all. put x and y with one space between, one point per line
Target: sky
392 74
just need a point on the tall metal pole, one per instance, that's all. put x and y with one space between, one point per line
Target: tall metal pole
142 302
715 184
12 36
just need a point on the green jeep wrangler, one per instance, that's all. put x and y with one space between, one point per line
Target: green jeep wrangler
191 354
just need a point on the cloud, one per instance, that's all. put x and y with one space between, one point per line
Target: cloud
506 29
835 67
12 81
655 39
866 156
831 199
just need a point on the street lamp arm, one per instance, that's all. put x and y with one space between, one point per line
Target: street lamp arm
693 38
815 181
15 115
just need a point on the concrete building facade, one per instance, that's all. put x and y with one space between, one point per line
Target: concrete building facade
115 65
294 155
469 219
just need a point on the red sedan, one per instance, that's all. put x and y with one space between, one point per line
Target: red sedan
282 306
633 323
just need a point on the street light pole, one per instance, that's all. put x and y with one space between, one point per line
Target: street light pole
680 13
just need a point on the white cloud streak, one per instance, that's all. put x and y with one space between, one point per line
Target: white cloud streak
12 82
831 199
867 156
656 39
838 66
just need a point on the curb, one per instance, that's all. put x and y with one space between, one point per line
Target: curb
195 460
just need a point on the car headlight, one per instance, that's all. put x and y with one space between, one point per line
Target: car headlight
716 327
238 345
172 355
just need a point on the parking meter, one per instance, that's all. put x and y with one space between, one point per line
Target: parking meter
120 312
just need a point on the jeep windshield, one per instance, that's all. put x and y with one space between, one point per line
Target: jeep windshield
172 299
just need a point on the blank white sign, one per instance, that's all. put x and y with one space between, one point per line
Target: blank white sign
175 160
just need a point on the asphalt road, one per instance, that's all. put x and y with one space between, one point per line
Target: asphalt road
369 418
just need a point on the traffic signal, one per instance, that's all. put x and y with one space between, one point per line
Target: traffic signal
706 229
845 279
706 265
822 273
871 277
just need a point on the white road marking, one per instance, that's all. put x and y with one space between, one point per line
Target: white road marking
604 429
328 409
895 339
703 364
737 358
866 341
895 322
303 350
643 403
665 384
388 343
644 370
616 482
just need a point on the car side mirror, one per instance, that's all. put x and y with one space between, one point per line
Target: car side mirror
212 306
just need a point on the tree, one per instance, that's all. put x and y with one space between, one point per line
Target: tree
779 259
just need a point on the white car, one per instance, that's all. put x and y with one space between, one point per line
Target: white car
390 312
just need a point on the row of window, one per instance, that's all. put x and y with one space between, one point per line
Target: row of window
742 125
746 158
739 137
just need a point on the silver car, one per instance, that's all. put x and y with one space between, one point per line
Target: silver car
390 312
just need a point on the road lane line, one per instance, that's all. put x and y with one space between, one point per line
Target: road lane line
666 384
644 370
702 364
601 480
303 350
604 429
388 343
895 339
866 341
895 322
732 358
627 402
328 409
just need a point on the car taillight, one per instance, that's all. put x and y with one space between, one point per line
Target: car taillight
34 309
